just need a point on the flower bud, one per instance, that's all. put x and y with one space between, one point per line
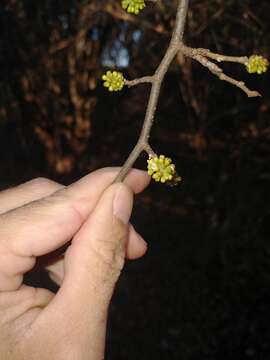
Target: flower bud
133 6
257 64
161 169
113 80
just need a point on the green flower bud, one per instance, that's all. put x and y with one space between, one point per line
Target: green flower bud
133 6
161 169
113 80
257 64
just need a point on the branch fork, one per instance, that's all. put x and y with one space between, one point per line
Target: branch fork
204 56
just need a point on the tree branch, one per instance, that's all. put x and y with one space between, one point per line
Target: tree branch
156 80
203 55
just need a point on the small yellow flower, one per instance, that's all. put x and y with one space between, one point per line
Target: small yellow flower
133 6
257 64
161 169
113 80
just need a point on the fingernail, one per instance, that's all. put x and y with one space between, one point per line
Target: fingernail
122 204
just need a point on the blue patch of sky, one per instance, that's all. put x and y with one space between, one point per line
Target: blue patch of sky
94 34
118 55
64 21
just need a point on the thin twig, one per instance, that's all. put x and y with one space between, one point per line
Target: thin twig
142 80
240 84
220 58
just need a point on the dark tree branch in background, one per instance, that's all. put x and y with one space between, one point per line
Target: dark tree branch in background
118 13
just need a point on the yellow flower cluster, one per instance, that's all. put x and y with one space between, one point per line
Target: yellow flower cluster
161 169
257 64
133 6
113 80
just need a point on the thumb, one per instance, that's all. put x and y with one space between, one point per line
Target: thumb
95 259
96 256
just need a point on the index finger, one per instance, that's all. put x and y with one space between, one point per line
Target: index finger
27 192
46 224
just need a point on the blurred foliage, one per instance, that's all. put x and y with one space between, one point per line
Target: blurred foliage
56 119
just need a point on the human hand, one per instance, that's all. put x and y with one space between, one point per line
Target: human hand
37 218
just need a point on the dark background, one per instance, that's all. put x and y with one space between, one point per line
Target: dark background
203 289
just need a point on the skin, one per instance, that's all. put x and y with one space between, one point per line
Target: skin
37 218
